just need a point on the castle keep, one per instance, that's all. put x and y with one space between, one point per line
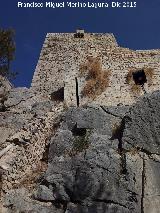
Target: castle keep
64 54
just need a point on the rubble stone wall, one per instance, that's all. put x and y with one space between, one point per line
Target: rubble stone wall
63 54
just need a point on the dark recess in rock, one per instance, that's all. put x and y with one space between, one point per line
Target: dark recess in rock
139 77
58 95
78 131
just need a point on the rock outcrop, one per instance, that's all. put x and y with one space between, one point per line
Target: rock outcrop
79 159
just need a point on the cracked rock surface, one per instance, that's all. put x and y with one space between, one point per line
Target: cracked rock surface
99 159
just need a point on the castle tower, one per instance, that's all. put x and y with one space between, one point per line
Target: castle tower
68 61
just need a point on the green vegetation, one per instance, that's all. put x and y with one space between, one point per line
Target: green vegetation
80 143
7 52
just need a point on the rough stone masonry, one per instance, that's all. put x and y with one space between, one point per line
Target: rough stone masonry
63 54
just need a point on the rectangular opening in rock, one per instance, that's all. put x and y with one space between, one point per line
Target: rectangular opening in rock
58 95
139 77
78 131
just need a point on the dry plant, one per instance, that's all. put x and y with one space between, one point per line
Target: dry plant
129 76
149 74
134 150
94 69
136 88
89 88
97 79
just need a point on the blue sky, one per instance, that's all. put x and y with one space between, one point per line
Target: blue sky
136 28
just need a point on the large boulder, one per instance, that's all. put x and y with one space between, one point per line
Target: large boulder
142 125
85 169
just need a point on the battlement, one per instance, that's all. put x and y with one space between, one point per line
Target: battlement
64 54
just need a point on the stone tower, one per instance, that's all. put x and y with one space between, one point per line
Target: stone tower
63 54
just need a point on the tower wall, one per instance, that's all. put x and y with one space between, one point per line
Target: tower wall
63 54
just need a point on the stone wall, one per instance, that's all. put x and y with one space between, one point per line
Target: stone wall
63 54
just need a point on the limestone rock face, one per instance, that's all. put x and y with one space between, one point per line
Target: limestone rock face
142 125
25 122
87 159
19 201
87 175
